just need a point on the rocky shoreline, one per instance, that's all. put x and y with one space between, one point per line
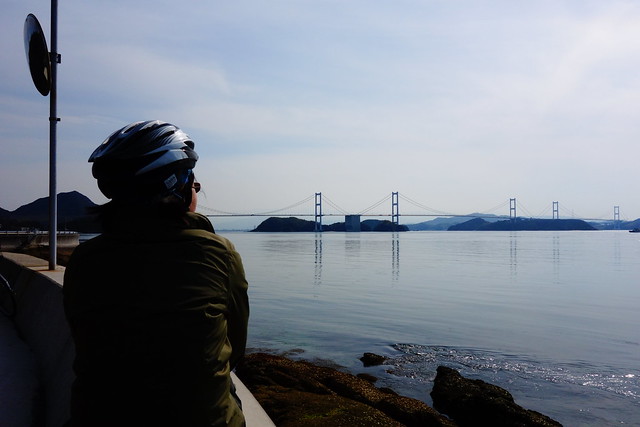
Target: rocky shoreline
297 393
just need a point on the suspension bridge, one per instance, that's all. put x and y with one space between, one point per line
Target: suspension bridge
313 206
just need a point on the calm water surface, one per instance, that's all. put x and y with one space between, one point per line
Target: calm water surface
553 317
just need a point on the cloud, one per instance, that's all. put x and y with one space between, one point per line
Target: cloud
458 104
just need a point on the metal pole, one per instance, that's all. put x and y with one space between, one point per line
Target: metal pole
53 121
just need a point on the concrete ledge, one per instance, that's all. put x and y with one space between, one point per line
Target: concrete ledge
254 414
41 324
19 392
11 240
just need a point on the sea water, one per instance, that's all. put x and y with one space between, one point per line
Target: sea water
553 317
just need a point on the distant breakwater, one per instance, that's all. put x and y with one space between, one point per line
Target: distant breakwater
36 243
17 240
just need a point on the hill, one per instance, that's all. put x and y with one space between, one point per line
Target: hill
630 225
378 225
275 224
611 225
471 225
438 224
522 224
73 214
443 223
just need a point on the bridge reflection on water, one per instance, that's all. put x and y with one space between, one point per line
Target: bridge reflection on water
394 250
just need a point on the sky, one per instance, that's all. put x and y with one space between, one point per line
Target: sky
458 106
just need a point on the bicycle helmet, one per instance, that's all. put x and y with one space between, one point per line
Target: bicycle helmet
146 158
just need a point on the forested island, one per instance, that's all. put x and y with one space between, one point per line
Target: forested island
278 225
523 224
291 224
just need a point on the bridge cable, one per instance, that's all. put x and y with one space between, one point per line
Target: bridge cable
500 206
544 211
334 205
526 211
287 207
221 212
375 205
420 205
217 211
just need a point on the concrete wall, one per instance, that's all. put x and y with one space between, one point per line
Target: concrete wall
40 322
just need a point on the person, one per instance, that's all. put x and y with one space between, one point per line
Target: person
157 304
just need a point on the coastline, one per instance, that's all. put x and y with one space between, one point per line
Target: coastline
301 393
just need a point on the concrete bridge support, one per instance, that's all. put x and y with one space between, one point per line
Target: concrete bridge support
352 223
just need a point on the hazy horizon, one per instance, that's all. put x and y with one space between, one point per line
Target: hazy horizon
459 106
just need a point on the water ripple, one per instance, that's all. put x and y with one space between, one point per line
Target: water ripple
420 362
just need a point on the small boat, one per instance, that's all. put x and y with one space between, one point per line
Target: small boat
634 230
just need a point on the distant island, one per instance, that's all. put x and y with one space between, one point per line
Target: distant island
443 223
291 224
523 224
74 207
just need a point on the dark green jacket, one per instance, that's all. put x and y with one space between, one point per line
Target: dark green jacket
158 311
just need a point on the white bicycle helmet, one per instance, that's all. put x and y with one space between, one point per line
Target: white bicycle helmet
144 158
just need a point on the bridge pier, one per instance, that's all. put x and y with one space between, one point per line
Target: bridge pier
318 213
352 223
395 210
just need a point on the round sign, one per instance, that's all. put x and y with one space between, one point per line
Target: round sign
35 47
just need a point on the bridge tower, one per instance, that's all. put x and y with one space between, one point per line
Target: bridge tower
512 209
556 213
616 217
395 212
318 213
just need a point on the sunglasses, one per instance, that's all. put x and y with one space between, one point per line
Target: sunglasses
196 187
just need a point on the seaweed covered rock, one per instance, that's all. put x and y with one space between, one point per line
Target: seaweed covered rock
475 402
297 393
372 359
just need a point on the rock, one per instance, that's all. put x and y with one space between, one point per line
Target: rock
290 408
388 391
371 359
297 393
367 377
475 402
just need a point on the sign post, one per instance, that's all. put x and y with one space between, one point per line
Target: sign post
43 68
